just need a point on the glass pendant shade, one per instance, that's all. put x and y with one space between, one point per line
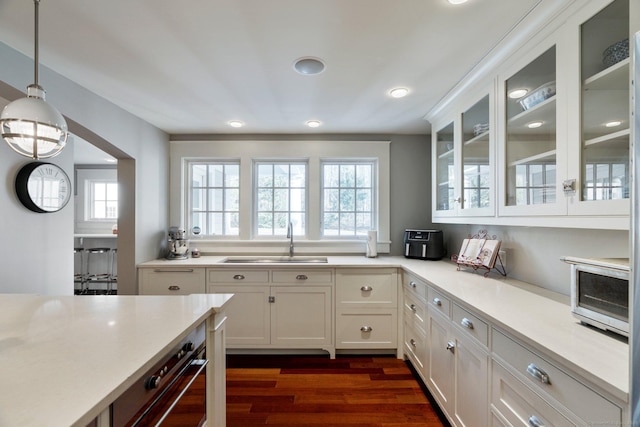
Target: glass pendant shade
29 125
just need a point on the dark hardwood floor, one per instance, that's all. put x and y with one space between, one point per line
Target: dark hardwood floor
318 391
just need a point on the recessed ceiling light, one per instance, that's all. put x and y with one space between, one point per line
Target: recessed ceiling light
109 160
309 66
517 93
313 123
613 123
534 125
399 92
235 123
457 1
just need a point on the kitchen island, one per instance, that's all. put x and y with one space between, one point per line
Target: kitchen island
65 359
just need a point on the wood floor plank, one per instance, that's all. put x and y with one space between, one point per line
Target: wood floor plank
300 391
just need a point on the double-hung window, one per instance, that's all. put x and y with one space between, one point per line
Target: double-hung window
103 197
348 198
280 197
214 197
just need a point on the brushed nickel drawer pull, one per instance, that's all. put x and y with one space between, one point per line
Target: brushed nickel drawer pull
436 301
535 421
366 288
366 329
538 373
301 277
238 277
413 307
173 270
466 323
174 288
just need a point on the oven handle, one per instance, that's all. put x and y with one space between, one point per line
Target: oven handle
184 390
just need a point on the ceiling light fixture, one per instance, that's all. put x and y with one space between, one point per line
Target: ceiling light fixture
457 1
399 92
613 123
309 66
313 123
31 126
235 123
534 125
517 93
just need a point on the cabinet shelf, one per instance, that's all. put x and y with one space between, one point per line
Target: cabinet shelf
483 137
615 77
619 139
544 111
542 157
446 154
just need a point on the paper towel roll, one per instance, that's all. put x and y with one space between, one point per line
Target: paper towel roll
372 244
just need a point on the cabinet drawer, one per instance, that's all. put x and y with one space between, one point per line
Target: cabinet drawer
414 285
302 276
172 281
237 276
415 345
518 404
471 324
544 376
415 311
366 329
437 301
365 288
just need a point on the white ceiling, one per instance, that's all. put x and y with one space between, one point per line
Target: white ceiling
193 65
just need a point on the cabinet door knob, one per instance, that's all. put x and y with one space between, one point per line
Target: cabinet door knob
413 307
174 288
366 329
535 421
538 373
412 284
436 301
451 346
238 277
466 323
412 342
301 277
366 288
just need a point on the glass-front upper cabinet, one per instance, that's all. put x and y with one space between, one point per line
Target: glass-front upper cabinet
477 165
530 147
604 67
445 199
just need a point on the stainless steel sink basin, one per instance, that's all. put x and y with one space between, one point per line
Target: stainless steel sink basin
274 259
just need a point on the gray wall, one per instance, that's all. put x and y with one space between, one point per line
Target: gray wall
38 254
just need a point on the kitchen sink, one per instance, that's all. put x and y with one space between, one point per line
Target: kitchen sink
274 259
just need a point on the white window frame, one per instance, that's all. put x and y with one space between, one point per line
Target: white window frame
82 188
90 211
247 151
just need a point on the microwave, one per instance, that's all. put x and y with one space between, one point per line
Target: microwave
600 292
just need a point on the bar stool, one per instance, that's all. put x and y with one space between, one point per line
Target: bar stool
98 268
114 272
79 275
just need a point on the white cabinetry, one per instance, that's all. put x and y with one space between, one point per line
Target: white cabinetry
415 321
528 388
458 365
276 309
367 308
171 281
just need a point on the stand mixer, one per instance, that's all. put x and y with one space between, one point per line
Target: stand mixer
177 245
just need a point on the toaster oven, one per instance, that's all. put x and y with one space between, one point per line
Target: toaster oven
600 292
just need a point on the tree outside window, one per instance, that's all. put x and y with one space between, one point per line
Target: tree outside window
280 198
214 203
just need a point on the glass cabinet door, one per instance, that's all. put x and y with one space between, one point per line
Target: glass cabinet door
476 165
605 104
530 146
445 171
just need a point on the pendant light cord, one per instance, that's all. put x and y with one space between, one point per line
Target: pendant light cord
35 44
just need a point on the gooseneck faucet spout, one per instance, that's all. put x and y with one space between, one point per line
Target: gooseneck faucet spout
290 237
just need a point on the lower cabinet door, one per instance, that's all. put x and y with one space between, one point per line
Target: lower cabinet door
471 399
441 361
301 316
366 328
248 314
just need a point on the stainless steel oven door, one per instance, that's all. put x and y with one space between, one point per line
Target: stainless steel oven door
600 297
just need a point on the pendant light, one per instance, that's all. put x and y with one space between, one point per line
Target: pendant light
31 126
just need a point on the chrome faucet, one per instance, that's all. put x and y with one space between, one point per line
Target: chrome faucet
290 237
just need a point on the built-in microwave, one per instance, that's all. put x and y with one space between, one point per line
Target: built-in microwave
600 292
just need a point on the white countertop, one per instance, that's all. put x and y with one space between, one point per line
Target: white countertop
65 359
537 316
